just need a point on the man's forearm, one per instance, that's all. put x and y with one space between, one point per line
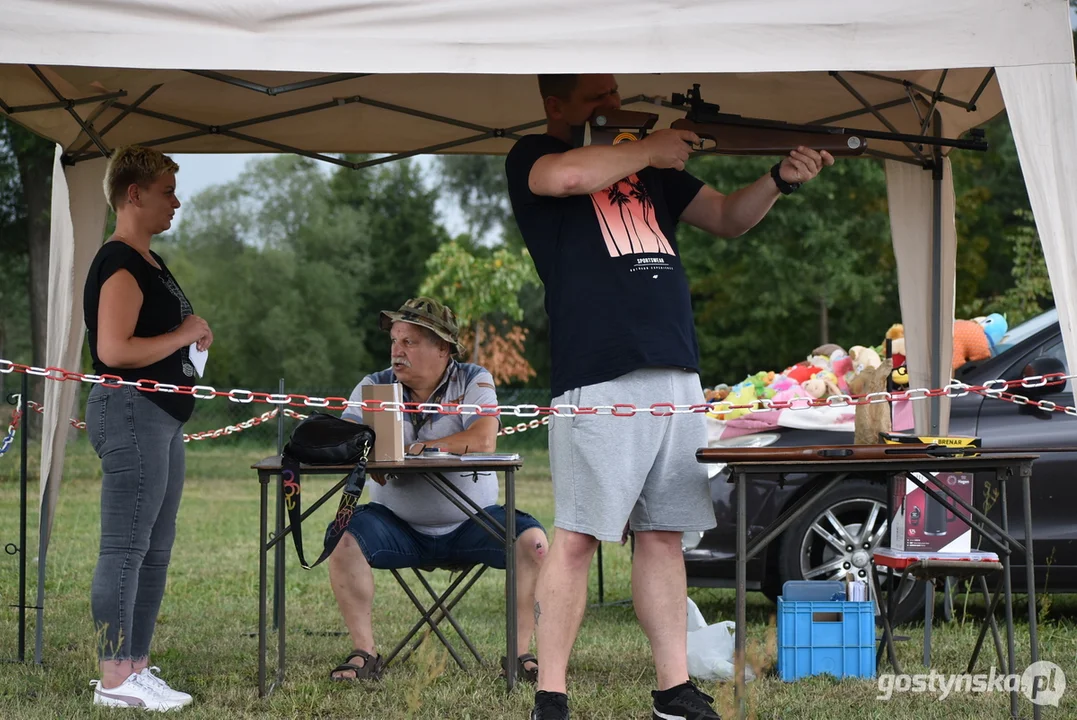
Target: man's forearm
742 210
470 440
586 170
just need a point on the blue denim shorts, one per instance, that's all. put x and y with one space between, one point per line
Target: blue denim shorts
388 542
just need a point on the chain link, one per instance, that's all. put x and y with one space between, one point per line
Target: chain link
993 389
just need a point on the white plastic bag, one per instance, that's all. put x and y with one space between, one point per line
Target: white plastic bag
711 648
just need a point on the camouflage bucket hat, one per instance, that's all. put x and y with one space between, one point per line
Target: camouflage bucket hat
430 314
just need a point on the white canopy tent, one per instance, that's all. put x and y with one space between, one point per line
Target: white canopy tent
412 77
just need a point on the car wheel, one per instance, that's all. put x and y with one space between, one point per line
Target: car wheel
837 535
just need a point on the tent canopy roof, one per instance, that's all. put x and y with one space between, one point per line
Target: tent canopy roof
404 77
182 111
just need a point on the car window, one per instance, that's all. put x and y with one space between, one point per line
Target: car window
1027 329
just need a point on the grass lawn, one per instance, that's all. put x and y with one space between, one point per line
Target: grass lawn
205 645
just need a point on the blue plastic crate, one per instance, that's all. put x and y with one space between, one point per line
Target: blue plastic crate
831 636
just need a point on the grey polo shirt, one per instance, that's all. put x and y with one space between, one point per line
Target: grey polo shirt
410 497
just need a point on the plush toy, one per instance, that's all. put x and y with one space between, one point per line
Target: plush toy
828 350
717 394
896 336
995 327
782 383
740 394
821 387
761 381
970 343
863 358
871 418
802 372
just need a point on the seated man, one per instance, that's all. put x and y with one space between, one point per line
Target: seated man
407 522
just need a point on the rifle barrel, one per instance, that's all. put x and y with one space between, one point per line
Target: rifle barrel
724 119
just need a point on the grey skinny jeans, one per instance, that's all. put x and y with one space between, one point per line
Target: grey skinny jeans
142 460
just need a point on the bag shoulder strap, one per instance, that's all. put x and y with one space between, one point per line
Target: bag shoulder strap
349 501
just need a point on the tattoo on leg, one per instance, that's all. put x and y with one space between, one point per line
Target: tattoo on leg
538 611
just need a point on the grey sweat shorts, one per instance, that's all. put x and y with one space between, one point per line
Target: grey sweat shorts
608 470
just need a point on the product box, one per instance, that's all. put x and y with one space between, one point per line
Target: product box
895 438
921 523
388 425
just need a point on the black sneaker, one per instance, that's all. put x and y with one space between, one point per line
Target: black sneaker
550 706
687 703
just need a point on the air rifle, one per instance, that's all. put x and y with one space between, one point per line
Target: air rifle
728 134
854 453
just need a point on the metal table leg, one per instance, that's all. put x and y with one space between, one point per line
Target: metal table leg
511 640
741 480
1006 580
278 577
263 482
1030 574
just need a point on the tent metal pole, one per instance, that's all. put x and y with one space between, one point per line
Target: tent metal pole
936 278
116 120
979 91
861 111
936 95
42 549
878 115
65 103
86 127
279 89
24 449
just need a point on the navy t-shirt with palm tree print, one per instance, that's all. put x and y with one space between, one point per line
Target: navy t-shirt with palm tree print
616 292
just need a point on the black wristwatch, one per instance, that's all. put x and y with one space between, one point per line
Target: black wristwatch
783 187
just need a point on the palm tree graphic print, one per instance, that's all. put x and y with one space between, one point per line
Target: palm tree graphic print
626 215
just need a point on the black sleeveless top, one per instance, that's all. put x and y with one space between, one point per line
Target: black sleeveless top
163 308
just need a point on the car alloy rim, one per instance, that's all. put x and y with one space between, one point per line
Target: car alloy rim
842 539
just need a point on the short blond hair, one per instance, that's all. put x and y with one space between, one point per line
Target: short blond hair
134 164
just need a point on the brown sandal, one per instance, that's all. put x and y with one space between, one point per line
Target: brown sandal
523 673
371 669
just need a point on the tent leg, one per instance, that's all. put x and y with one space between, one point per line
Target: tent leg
936 291
39 626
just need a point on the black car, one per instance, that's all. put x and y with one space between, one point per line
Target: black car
854 513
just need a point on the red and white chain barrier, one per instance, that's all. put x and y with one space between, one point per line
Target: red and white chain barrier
187 437
993 388
9 436
507 430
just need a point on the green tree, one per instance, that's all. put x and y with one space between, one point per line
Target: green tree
401 230
273 263
818 268
482 287
990 202
1031 292
15 342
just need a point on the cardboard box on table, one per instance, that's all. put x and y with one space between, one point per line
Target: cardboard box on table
388 425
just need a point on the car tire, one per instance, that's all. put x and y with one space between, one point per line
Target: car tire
804 552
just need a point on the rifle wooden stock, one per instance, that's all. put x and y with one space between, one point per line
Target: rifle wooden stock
731 139
858 452
624 120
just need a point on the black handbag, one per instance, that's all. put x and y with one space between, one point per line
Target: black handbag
323 439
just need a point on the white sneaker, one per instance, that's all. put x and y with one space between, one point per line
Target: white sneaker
135 691
151 676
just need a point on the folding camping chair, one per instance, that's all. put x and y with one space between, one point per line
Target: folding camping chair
438 611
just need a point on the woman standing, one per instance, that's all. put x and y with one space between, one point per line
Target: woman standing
140 326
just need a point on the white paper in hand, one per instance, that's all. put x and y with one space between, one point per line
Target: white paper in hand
198 358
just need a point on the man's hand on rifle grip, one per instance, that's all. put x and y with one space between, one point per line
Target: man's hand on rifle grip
803 164
668 148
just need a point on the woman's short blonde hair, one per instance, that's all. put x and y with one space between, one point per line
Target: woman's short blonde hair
134 164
